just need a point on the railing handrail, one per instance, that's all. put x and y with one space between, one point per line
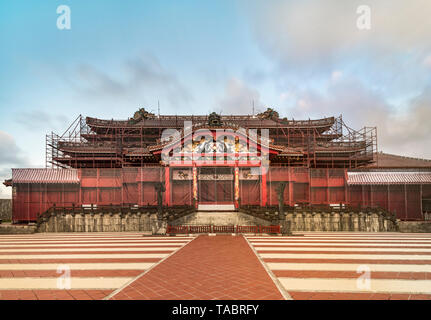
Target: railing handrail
186 229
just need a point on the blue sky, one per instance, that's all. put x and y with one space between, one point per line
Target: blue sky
304 58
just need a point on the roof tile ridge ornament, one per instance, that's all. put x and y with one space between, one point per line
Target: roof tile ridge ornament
8 182
140 115
214 119
268 114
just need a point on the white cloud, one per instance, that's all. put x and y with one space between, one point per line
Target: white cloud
39 119
9 151
238 98
284 96
303 104
10 157
5 192
306 33
372 73
142 81
336 75
399 131
427 61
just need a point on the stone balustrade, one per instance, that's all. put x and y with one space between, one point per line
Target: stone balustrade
81 220
341 221
97 222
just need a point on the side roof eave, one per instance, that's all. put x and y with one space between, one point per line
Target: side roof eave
45 175
388 177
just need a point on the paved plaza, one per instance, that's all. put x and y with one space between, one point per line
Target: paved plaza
132 266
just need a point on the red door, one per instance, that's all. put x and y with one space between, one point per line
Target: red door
215 185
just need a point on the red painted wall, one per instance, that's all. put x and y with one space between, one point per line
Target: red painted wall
132 186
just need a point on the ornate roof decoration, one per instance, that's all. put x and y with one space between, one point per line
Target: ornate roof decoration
8 182
269 114
173 139
214 119
140 115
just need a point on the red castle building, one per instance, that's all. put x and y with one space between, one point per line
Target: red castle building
237 160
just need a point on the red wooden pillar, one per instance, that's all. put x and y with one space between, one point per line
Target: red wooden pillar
389 199
236 187
122 187
28 201
97 186
167 187
291 200
405 201
80 187
328 185
140 198
195 186
40 199
422 211
263 199
346 189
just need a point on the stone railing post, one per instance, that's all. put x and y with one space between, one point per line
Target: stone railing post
307 221
355 221
362 221
326 225
299 222
317 221
381 221
335 221
289 218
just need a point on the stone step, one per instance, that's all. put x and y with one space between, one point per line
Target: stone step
224 218
216 207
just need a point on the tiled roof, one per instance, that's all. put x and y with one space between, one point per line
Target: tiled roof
386 160
389 177
36 175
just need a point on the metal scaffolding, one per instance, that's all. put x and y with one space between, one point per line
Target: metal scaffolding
321 143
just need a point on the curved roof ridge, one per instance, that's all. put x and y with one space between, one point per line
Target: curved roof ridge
405 157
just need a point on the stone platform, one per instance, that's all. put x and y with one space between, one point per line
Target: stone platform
8 228
141 219
415 226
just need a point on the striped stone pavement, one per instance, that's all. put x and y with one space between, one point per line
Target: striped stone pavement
340 265
36 266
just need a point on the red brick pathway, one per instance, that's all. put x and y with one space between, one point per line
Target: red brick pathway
209 267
